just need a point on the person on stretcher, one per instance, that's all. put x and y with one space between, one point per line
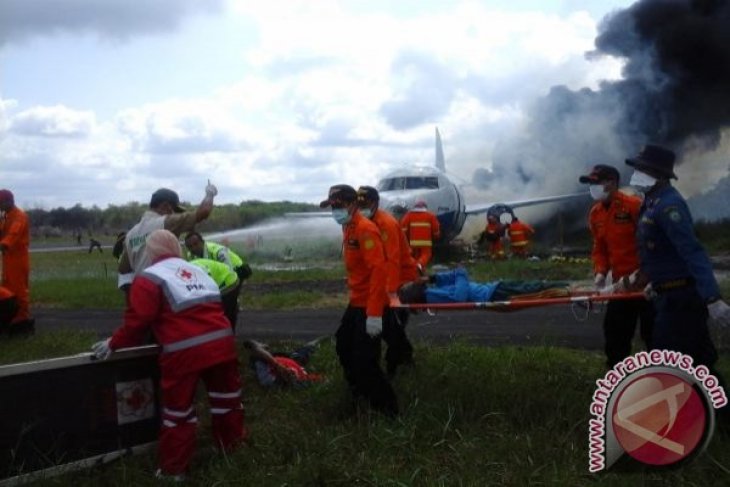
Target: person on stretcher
455 287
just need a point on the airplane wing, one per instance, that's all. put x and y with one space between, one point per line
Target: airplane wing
484 207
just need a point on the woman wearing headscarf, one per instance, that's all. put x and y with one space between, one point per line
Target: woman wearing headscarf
181 305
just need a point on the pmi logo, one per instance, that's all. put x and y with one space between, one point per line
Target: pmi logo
652 410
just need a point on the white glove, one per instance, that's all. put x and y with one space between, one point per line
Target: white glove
101 349
719 312
599 281
649 292
210 190
374 325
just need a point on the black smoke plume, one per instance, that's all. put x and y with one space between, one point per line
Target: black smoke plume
675 91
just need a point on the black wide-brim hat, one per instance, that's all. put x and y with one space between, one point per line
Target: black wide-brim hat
655 160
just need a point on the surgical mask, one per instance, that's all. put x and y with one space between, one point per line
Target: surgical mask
341 215
642 181
366 212
598 192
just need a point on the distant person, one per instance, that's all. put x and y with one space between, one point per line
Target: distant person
675 263
180 304
613 220
94 244
519 234
14 245
118 247
78 238
422 229
165 212
281 368
401 268
228 284
493 234
358 337
455 287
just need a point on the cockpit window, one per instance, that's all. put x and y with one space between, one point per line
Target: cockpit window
410 182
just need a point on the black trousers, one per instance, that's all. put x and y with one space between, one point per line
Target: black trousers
400 350
229 301
681 325
359 356
619 326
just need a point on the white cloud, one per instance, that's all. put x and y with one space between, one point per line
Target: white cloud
322 94
55 121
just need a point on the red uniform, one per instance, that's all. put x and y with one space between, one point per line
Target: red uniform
180 303
613 226
422 228
519 237
15 239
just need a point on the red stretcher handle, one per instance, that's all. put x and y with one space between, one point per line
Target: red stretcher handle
516 304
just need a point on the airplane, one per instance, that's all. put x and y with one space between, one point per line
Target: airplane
400 190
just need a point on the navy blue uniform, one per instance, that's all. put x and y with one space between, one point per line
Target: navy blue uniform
680 273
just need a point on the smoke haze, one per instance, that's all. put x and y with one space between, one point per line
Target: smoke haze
675 91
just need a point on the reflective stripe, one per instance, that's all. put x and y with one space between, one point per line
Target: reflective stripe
198 340
220 410
177 414
225 395
168 423
421 243
420 224
517 233
194 419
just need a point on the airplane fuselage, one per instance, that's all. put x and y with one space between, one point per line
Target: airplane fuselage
401 189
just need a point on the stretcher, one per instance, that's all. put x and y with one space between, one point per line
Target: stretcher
573 297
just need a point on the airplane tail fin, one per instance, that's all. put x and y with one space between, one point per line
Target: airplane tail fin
440 163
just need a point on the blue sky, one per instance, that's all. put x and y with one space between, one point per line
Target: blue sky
102 102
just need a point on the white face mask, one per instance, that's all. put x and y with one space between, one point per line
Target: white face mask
642 181
598 192
366 212
341 215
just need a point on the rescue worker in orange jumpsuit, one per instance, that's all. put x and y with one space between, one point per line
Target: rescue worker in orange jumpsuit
519 237
181 305
401 268
14 243
493 234
613 220
422 228
358 337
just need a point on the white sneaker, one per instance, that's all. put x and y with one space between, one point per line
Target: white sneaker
169 478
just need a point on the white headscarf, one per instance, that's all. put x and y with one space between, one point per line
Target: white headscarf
162 242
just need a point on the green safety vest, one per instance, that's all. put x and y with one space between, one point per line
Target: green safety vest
224 276
221 253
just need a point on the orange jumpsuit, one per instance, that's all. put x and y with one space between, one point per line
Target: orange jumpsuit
613 224
519 237
493 233
359 353
613 227
15 239
422 228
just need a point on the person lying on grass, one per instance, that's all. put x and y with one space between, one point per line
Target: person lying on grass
454 286
281 368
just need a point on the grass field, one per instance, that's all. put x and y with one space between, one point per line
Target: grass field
471 415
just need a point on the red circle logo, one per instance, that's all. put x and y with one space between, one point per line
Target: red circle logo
659 418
